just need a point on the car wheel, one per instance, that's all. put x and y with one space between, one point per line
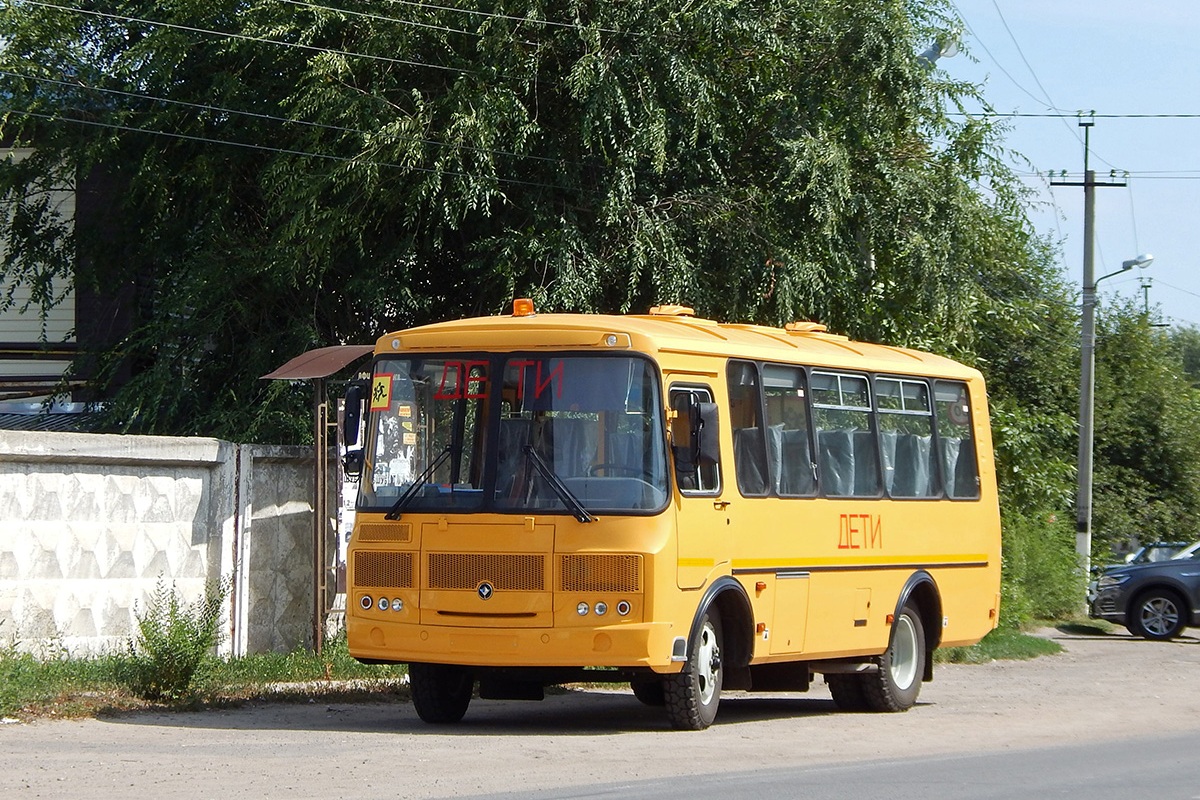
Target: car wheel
1157 614
440 692
898 682
692 695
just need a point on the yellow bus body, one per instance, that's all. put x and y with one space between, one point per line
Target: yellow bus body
820 578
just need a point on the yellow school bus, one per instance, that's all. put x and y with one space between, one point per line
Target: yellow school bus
684 505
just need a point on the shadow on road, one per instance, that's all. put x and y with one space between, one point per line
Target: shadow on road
574 713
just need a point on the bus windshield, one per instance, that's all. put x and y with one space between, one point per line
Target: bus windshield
467 433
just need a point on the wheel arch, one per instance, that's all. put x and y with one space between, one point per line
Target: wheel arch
1179 590
737 620
922 590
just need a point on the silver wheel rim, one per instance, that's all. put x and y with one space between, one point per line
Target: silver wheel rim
708 663
1159 616
902 657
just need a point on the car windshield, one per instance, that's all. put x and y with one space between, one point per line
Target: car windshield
1191 551
561 433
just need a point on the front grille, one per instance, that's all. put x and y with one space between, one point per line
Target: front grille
511 572
383 570
385 532
600 573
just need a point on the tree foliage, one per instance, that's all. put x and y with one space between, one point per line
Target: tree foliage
282 175
1147 476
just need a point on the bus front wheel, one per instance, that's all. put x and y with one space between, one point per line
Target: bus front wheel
693 694
440 692
898 682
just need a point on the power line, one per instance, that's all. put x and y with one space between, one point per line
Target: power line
272 118
1064 116
248 38
279 150
381 18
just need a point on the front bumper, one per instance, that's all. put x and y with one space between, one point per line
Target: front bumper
625 645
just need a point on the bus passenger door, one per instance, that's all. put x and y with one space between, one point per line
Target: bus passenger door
701 521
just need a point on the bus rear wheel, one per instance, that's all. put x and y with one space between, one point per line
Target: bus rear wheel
898 682
692 695
649 693
440 692
847 691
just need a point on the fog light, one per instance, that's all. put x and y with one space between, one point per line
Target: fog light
383 604
582 609
397 604
601 609
623 608
367 602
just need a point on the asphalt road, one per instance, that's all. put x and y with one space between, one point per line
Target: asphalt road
1111 717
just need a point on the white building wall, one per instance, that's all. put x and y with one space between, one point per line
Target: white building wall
28 326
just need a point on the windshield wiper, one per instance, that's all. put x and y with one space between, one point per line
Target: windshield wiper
569 500
417 485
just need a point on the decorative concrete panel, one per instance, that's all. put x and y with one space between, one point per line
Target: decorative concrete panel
90 524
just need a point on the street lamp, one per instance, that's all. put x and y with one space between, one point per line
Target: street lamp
1087 397
945 46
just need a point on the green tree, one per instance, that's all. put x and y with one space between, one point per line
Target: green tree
1147 476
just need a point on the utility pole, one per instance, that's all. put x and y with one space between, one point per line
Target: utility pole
1087 366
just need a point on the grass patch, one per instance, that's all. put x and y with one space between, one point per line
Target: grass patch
1002 644
80 687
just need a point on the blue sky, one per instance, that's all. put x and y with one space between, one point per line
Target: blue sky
1136 57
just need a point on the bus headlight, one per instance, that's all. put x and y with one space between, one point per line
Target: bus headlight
601 609
582 609
383 604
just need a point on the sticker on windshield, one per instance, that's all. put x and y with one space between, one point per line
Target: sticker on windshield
381 393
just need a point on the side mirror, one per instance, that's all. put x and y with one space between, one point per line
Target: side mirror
708 444
694 431
352 462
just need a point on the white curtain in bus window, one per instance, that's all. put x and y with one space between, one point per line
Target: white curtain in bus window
956 445
848 457
906 437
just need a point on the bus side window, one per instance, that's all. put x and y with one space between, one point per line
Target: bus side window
749 445
789 452
905 420
696 473
956 444
847 449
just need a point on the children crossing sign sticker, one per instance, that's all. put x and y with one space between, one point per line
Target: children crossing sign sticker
381 393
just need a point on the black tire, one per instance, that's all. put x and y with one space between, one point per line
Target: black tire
901 668
692 695
440 692
1157 614
650 693
847 691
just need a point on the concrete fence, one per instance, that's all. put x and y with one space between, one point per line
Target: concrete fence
90 524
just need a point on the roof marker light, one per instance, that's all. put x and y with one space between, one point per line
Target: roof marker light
672 311
523 307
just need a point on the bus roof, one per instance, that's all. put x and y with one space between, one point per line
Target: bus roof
665 334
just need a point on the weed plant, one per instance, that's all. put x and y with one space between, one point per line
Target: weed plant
1040 574
174 640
